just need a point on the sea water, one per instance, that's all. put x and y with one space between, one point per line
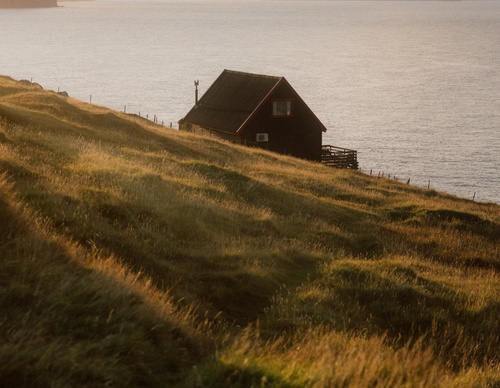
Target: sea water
413 86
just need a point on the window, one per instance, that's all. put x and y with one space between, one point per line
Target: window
282 108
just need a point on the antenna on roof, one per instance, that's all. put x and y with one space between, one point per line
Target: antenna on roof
196 83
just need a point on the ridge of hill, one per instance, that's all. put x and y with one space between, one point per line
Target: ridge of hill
132 254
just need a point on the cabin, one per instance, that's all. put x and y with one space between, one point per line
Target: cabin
258 111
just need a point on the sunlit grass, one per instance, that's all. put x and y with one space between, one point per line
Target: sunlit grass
322 358
133 254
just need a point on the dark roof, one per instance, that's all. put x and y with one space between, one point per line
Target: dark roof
233 99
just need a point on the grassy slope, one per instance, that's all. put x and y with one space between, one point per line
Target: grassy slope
131 254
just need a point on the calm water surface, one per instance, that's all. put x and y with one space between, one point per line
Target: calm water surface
413 86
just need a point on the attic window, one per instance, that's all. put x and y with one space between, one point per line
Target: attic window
282 108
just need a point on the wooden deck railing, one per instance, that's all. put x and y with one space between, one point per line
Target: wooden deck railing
339 157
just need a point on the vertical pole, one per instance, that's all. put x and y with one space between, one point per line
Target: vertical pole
474 196
196 83
91 98
429 184
125 109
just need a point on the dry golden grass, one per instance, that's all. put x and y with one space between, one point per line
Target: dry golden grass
132 254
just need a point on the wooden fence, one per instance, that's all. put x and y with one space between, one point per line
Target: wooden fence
339 157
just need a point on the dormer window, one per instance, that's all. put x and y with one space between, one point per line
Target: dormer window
282 108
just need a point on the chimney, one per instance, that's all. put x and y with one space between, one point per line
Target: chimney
196 83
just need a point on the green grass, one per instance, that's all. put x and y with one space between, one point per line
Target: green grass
136 255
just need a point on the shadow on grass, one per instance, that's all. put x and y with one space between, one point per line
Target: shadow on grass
220 374
411 307
66 324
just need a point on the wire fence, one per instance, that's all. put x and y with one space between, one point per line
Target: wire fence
156 120
408 181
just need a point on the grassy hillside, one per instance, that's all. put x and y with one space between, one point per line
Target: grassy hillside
135 255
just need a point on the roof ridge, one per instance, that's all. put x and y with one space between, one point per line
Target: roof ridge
277 78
